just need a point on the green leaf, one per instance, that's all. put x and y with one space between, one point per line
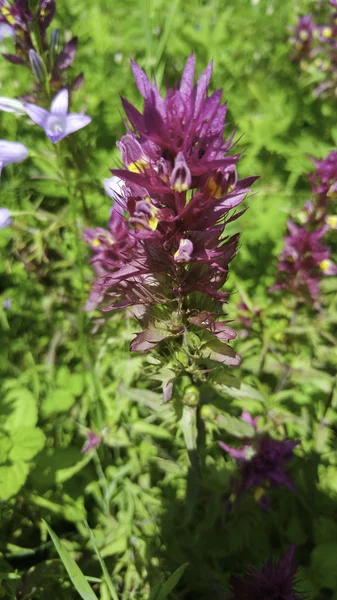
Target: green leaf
235 426
20 407
62 475
220 352
28 441
189 426
243 392
155 431
77 578
12 479
170 584
107 577
5 445
324 565
72 382
117 547
58 401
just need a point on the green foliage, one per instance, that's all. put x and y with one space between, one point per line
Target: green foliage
20 439
79 581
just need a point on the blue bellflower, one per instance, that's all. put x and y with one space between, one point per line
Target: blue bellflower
57 123
5 218
11 152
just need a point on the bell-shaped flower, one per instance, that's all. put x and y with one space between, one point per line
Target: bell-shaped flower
57 123
5 218
11 152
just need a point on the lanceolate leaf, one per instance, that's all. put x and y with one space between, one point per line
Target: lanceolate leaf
78 579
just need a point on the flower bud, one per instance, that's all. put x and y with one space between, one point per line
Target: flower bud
12 105
207 412
191 396
37 66
193 341
54 45
181 358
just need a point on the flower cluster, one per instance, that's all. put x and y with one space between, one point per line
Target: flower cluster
305 259
48 59
315 48
177 187
275 581
263 462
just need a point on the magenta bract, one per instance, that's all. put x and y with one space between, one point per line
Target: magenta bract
178 186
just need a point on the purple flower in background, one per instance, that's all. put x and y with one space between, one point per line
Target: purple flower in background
324 178
263 462
57 123
5 218
304 260
5 31
112 248
93 441
20 15
273 582
7 303
304 35
11 152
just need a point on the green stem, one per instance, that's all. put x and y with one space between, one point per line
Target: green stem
76 225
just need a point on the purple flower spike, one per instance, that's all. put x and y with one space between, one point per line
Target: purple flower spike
263 461
5 218
274 581
304 260
57 123
11 152
175 193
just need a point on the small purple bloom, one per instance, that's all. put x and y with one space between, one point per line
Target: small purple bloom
263 461
324 178
5 31
57 123
181 175
303 39
274 582
93 442
5 218
7 304
184 252
11 152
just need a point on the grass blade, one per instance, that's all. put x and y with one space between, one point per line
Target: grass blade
77 578
171 583
106 575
